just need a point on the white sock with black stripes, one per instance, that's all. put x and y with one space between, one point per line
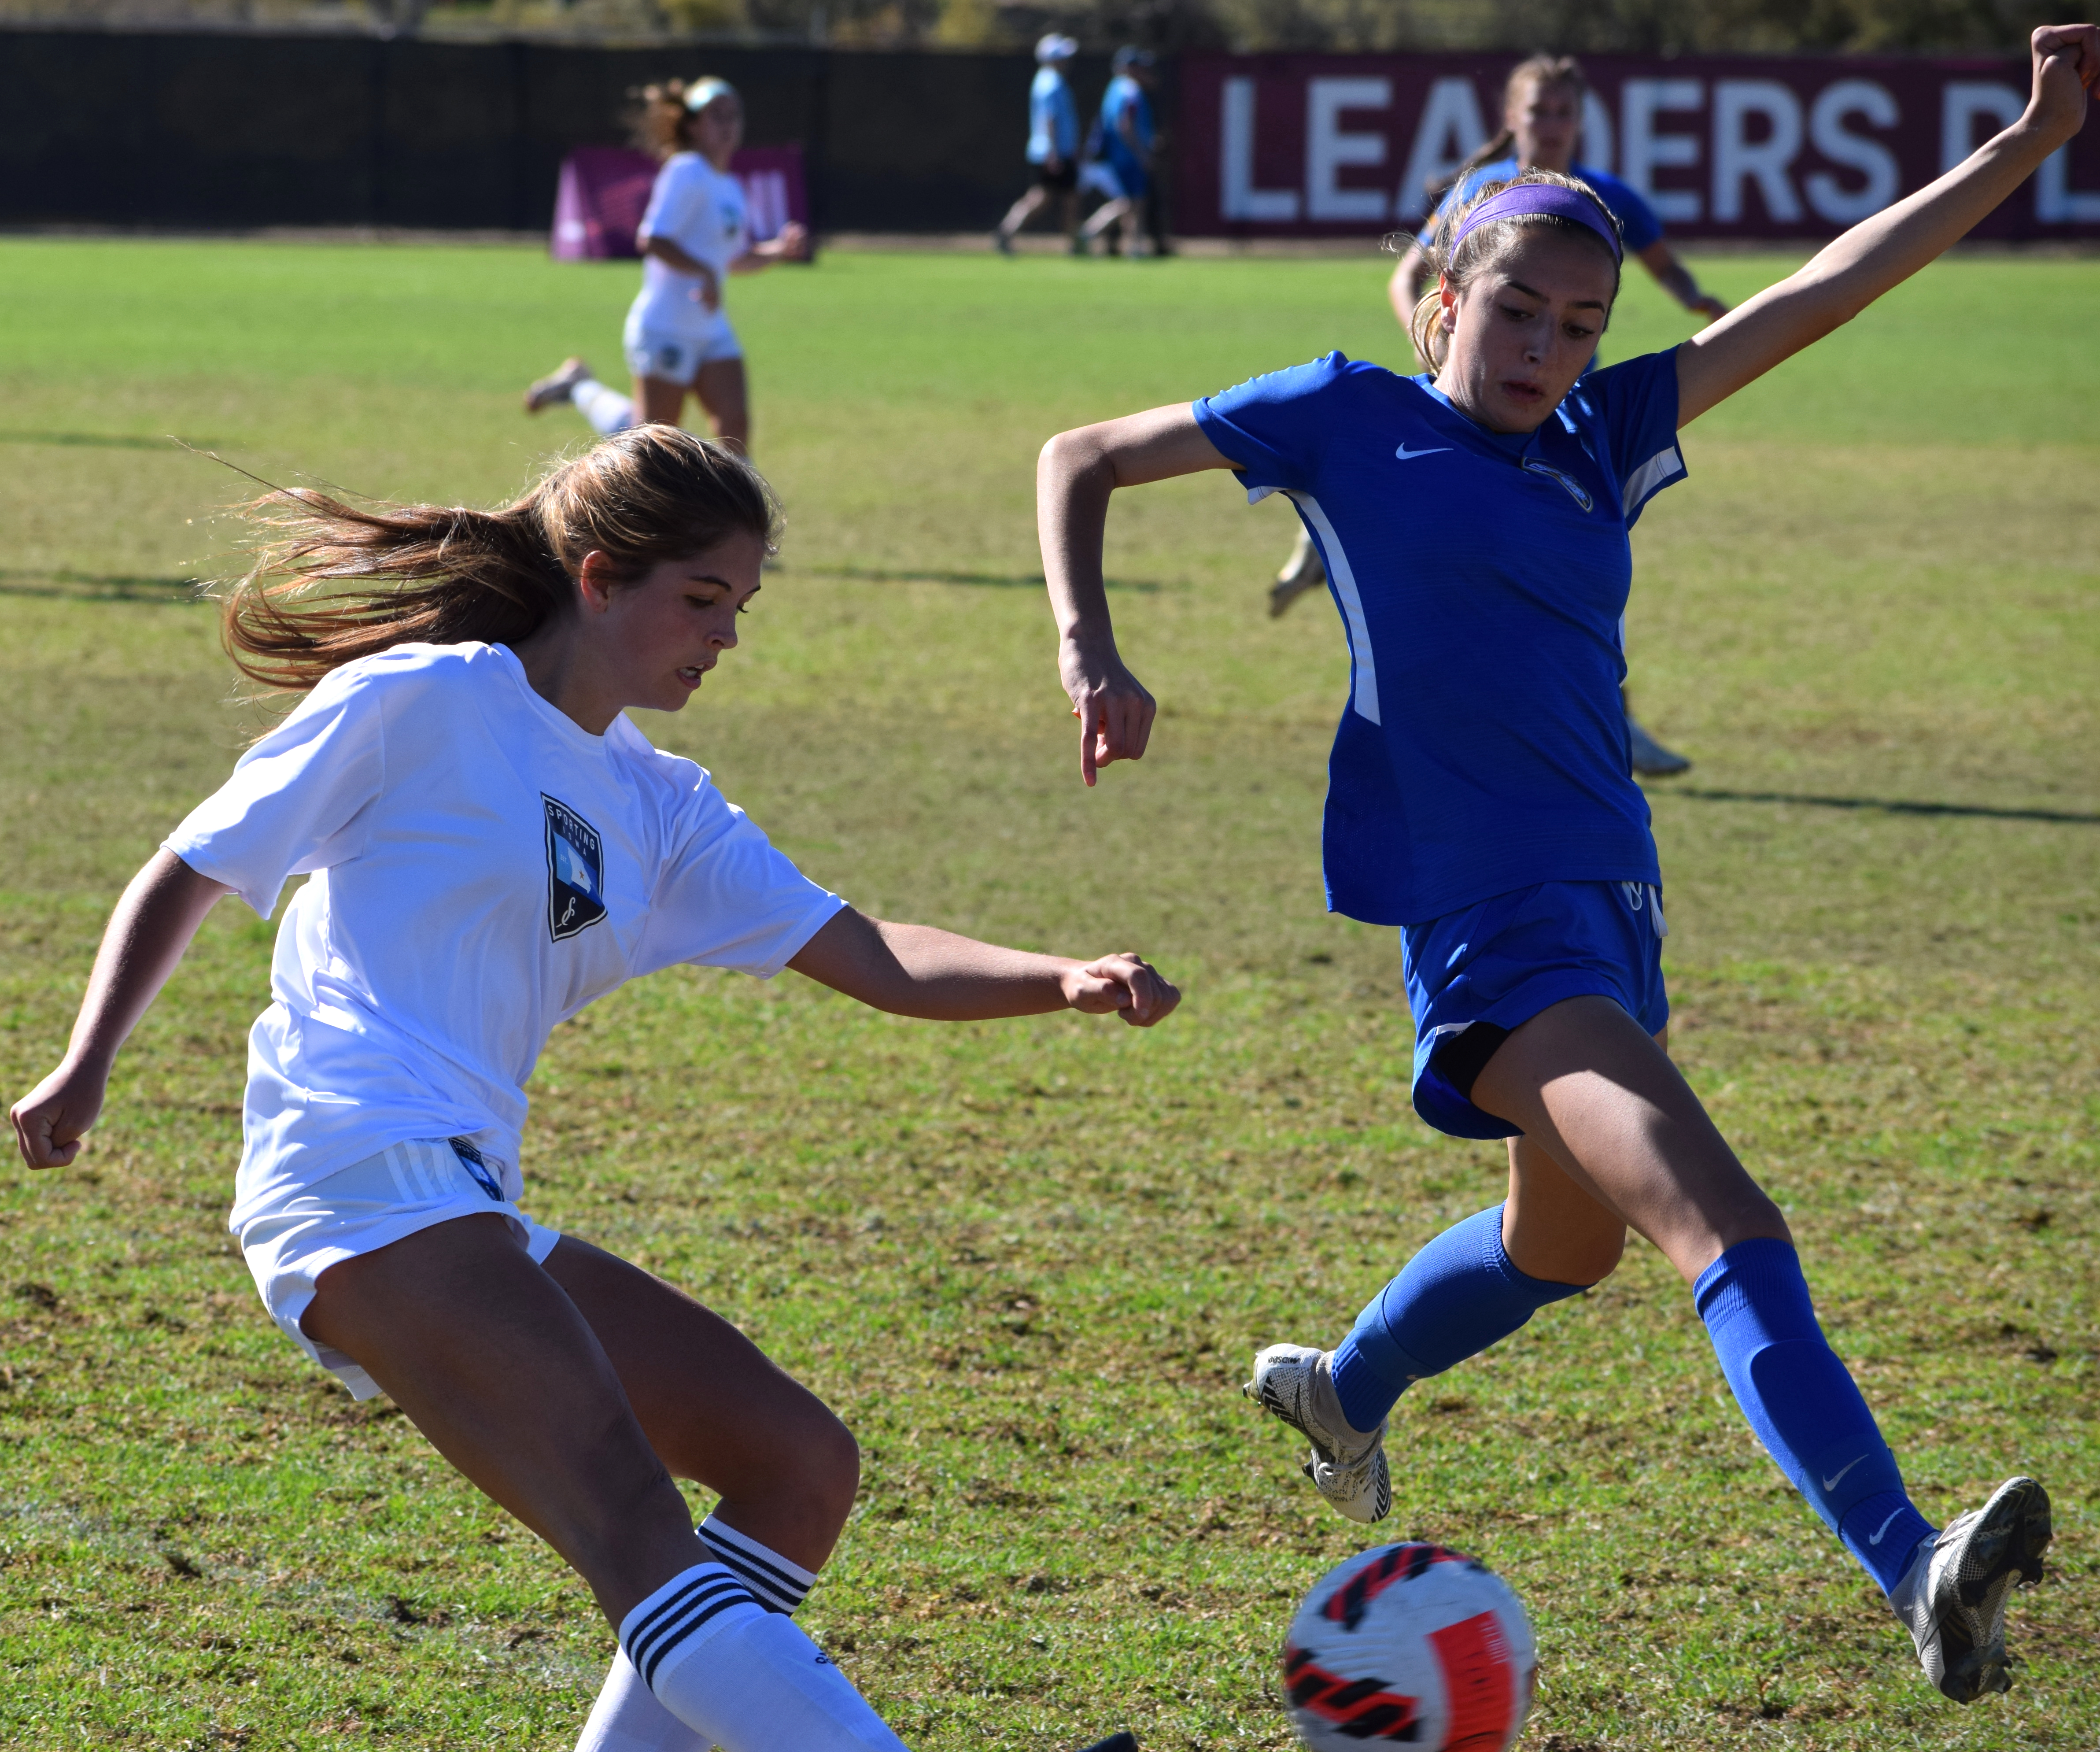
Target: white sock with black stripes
777 1583
740 1677
606 409
627 1717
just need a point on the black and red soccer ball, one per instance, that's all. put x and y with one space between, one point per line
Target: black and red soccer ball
1413 1645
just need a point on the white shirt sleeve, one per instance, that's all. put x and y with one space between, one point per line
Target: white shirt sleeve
300 799
727 897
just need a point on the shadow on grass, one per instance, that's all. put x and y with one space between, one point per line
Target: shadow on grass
99 586
996 580
105 440
1894 807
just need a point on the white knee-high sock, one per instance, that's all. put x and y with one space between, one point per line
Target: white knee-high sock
760 1685
603 406
777 1583
627 1717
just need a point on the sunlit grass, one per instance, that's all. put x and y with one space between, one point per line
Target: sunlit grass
1028 1262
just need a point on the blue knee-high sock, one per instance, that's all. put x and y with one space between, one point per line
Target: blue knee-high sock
1805 1408
1451 1301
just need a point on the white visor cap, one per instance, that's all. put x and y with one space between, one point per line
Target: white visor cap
1054 47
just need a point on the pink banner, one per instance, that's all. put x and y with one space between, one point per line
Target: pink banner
604 191
1775 147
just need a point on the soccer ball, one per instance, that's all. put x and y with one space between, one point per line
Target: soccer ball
1412 1643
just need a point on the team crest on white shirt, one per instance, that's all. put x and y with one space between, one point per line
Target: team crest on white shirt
575 871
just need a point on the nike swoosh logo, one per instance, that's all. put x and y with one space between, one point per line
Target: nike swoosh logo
1876 1539
1406 455
1831 1483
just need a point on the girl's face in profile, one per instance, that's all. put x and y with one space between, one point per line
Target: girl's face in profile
661 636
717 131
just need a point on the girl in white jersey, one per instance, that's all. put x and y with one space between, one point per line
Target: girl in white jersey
695 233
492 845
1475 523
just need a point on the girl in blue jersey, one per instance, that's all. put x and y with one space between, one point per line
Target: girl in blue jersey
1479 800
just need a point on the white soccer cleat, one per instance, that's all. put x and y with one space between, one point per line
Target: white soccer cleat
1952 1598
556 385
1294 1382
1651 759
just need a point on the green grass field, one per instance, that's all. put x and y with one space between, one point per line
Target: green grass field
1028 1262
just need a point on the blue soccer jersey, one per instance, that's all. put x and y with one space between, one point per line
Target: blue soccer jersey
1638 222
1481 577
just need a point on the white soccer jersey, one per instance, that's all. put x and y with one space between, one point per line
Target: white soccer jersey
482 868
702 210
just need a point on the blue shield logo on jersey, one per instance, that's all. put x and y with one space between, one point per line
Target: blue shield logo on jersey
575 871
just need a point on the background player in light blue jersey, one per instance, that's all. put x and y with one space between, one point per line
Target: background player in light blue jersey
1475 524
1053 145
1119 160
1541 122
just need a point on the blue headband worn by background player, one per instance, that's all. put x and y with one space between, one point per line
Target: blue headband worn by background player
1552 199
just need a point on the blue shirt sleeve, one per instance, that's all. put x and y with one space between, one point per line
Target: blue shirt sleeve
1634 408
1271 427
1638 222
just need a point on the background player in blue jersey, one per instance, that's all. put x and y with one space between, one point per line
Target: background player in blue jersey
1119 150
1541 122
1475 524
1053 145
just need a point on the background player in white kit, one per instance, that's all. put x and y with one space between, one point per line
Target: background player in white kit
695 233
492 846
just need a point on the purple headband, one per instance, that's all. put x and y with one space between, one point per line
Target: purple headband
1551 198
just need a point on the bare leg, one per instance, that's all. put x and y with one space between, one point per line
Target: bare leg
720 386
1552 1229
1023 210
715 1408
658 401
496 1365
1106 215
1586 1083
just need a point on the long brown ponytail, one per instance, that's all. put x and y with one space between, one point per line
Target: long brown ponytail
447 576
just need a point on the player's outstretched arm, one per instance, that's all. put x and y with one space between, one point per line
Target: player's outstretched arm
1073 476
153 923
1881 252
915 970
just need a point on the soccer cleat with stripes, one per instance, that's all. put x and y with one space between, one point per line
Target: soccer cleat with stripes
1125 1742
1952 1598
1294 1382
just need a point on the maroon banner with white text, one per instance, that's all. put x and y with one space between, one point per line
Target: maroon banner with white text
1752 146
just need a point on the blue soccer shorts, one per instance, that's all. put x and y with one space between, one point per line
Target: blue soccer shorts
1475 974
